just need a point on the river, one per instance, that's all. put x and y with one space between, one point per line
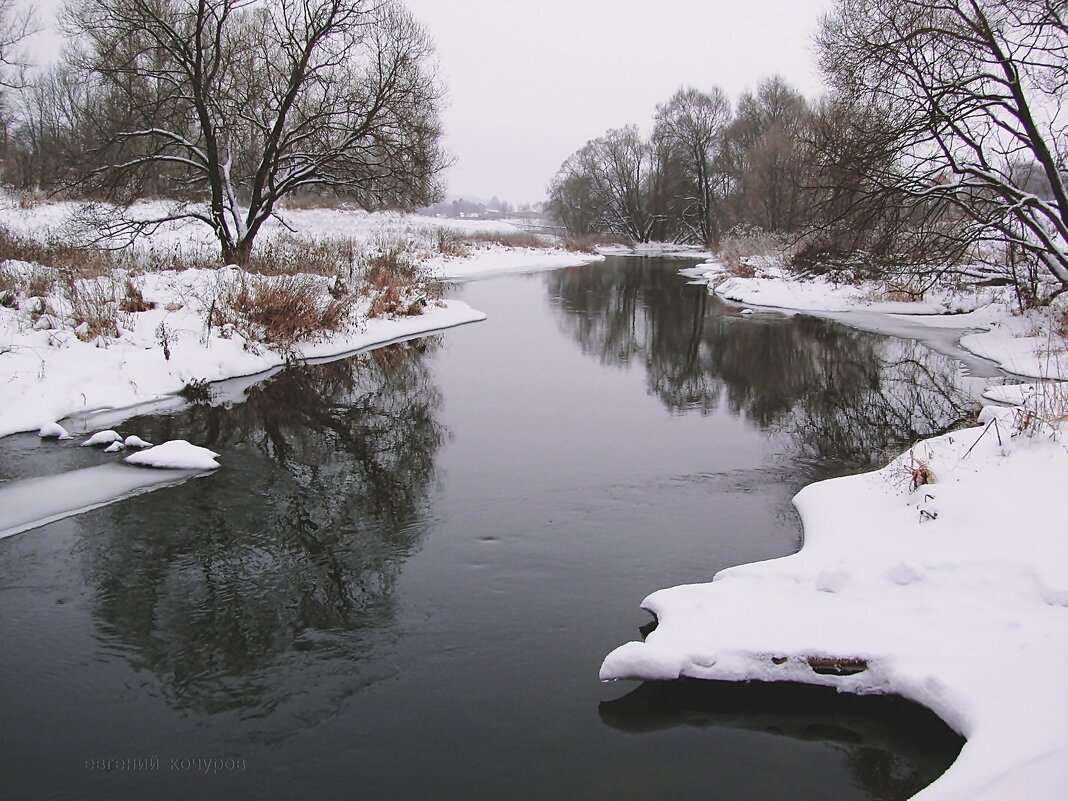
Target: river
402 581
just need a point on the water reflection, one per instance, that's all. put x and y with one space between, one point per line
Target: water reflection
893 748
294 546
844 395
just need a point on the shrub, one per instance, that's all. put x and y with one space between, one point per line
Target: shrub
133 300
743 243
94 307
277 311
450 243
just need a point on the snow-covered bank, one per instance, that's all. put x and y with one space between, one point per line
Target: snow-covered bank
952 593
988 327
420 236
53 366
50 374
496 260
665 250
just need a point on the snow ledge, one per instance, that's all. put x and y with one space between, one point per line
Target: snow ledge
952 594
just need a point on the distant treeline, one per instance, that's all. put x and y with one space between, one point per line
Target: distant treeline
938 150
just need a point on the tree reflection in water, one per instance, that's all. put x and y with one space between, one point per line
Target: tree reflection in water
294 546
843 395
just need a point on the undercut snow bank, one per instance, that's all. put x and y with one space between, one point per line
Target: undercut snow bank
953 594
496 260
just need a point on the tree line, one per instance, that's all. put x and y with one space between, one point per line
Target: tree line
938 150
225 107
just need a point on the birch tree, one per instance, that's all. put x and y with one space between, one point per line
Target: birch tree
230 105
969 90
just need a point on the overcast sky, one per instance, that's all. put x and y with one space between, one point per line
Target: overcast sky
530 82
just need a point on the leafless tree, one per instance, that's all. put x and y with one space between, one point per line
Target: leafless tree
690 126
16 25
46 133
607 184
763 152
230 105
969 90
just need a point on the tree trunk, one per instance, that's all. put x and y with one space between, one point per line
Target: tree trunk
238 253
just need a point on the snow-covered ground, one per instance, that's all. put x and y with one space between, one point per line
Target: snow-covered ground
48 373
942 578
667 250
484 262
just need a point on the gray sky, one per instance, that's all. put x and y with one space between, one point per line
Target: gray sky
531 82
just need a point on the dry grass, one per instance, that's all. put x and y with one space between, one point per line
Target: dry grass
450 243
1060 323
94 306
313 201
277 311
744 243
1044 411
396 286
132 300
288 254
511 239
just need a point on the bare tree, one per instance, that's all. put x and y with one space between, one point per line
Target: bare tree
46 132
690 125
762 150
230 105
607 186
16 25
968 91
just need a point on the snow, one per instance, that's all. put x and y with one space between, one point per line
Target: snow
954 594
53 431
134 441
28 503
494 261
177 454
115 447
52 375
667 250
102 438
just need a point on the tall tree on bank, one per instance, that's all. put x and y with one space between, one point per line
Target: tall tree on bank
230 105
607 186
970 96
690 126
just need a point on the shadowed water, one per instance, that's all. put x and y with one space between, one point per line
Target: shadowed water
402 581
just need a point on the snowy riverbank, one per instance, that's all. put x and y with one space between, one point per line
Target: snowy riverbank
52 368
952 593
1019 343
50 374
941 578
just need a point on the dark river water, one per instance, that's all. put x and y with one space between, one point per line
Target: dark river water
403 580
